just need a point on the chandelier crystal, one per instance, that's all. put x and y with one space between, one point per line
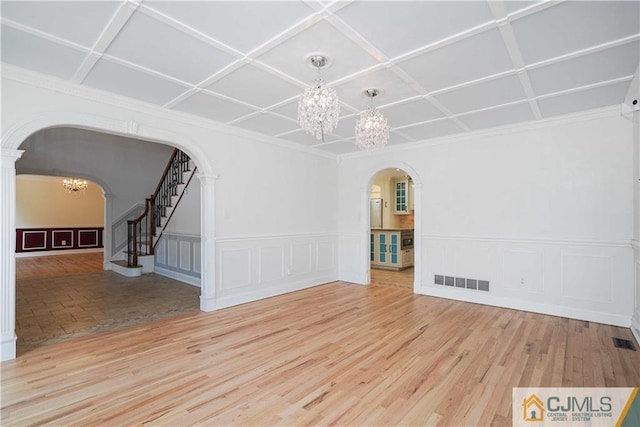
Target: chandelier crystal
74 185
318 107
372 130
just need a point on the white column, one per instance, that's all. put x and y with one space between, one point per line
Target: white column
8 254
107 242
207 242
417 238
635 323
365 235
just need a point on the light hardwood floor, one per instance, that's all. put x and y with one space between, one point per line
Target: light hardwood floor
336 354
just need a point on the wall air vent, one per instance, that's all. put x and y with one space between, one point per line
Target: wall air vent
460 282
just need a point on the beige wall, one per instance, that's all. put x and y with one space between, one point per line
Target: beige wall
42 202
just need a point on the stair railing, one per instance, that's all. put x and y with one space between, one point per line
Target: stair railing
142 229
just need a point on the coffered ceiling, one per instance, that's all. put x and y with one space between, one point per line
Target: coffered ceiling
445 67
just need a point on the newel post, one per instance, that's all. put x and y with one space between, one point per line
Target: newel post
7 253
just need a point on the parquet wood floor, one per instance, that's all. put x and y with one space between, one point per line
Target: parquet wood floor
63 297
336 354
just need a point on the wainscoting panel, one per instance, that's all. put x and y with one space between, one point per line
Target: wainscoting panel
178 256
271 263
587 277
587 280
523 270
254 267
56 239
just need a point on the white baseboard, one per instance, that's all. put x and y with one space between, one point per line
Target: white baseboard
190 280
231 300
62 252
486 298
8 347
635 326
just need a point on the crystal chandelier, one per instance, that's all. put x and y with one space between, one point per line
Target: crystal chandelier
74 185
318 107
372 130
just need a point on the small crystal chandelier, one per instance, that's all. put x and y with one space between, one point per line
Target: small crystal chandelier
74 185
372 130
318 108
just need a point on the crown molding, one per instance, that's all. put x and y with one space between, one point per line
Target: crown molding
31 78
532 125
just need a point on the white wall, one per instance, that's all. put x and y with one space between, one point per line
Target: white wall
42 202
543 213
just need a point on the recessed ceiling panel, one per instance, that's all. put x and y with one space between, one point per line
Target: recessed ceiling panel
126 81
77 21
301 137
267 123
346 127
431 129
289 109
38 54
154 45
255 86
241 25
393 89
498 117
413 23
416 111
574 25
584 100
513 6
347 57
213 107
475 57
609 64
340 147
483 95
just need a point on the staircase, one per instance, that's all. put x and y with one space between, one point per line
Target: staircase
145 231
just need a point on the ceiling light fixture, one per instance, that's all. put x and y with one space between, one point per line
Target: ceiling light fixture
74 185
318 108
372 130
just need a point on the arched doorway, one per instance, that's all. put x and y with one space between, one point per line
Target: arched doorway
365 222
391 219
17 134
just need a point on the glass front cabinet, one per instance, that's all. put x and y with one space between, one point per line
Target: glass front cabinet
403 200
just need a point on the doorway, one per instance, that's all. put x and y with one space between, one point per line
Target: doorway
392 229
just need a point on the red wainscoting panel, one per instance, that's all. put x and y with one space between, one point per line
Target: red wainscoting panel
55 239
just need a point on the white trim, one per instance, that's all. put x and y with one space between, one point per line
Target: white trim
88 231
34 248
8 347
53 237
61 252
190 280
626 244
231 300
487 298
271 236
